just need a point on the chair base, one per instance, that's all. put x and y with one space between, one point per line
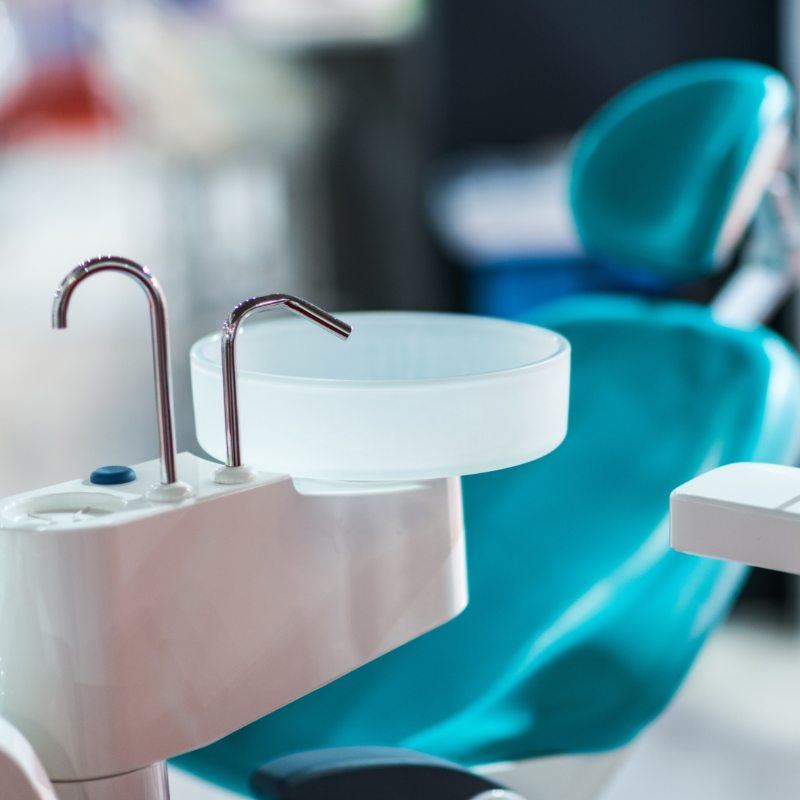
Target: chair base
577 777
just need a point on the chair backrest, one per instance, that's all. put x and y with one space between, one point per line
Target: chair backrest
667 176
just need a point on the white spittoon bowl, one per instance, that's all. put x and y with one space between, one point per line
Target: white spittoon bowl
409 396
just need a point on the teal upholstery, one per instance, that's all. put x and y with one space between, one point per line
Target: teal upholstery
582 622
654 174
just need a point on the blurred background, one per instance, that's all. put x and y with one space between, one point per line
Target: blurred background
361 153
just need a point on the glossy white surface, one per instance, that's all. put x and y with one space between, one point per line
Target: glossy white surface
746 512
407 396
22 776
146 631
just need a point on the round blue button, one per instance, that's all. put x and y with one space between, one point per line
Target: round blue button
113 474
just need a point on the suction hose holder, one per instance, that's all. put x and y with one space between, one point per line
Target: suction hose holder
234 470
170 489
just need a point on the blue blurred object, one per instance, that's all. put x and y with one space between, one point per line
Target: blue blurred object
509 287
506 222
668 174
581 622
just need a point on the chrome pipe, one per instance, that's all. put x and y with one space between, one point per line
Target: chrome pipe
230 329
159 334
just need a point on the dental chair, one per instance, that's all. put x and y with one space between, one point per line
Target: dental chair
582 622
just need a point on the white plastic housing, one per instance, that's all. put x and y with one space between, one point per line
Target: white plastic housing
407 396
132 631
22 776
746 512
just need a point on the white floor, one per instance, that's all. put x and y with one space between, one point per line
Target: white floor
733 732
186 787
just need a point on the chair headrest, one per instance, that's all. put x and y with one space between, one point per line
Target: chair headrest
667 176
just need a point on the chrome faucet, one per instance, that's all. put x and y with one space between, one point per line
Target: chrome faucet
171 488
234 471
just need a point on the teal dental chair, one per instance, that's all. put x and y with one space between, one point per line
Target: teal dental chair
582 622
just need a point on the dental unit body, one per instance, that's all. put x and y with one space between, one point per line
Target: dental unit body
133 632
152 613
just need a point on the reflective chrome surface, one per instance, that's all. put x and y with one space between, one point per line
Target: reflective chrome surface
159 335
229 330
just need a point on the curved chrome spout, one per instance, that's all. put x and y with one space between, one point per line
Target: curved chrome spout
229 330
158 329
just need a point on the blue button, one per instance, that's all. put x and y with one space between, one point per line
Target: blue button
111 475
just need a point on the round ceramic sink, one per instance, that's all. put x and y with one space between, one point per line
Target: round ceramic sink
407 396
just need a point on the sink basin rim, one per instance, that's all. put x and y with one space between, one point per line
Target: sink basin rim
205 353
